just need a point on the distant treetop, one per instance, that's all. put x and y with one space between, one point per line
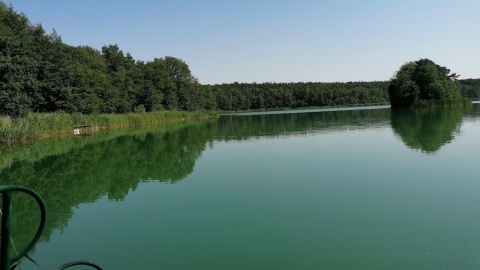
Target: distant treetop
423 80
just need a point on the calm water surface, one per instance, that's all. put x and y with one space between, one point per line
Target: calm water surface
365 188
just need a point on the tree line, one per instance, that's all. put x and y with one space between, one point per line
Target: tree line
264 96
253 96
40 73
471 88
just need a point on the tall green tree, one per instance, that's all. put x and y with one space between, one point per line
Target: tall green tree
18 63
184 91
124 75
425 80
89 78
156 84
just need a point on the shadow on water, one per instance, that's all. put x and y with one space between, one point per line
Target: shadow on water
271 125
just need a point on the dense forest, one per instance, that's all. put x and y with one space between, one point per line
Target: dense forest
40 73
243 96
471 88
252 96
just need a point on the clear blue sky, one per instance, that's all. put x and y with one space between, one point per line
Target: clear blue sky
275 40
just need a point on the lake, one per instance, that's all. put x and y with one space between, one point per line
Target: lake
356 188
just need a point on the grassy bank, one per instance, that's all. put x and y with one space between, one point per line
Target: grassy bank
35 150
40 125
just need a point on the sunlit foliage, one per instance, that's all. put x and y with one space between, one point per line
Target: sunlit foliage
423 80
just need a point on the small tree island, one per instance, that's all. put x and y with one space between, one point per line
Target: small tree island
423 83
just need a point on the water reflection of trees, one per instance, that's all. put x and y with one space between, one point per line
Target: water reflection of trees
69 172
104 168
427 129
232 127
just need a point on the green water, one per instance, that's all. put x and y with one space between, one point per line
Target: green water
365 188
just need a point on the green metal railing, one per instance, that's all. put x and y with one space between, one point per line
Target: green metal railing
7 261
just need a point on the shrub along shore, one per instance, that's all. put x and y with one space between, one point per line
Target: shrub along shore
45 125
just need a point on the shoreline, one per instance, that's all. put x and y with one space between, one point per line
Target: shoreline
38 126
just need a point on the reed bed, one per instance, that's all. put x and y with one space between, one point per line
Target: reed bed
39 125
34 150
441 103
